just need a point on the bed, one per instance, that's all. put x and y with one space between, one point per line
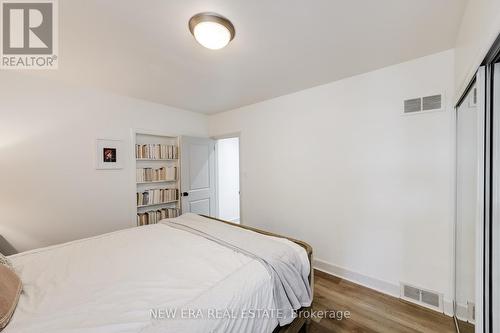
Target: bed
158 278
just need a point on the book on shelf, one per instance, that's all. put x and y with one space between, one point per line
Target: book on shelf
156 151
155 216
157 196
156 174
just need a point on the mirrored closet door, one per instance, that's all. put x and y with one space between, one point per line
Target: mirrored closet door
477 227
468 156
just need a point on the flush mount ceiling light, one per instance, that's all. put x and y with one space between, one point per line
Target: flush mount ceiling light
211 30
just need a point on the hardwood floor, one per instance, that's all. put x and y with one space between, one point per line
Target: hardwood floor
465 327
370 310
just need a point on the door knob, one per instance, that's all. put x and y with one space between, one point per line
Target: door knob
185 194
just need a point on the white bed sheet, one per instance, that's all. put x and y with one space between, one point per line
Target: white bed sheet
110 283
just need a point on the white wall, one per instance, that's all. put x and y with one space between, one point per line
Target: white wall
50 190
228 179
339 166
478 30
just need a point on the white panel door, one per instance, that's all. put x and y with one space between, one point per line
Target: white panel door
198 175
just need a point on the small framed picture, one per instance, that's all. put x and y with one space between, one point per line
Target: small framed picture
109 154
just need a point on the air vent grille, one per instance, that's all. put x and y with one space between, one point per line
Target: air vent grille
427 103
430 298
413 293
431 103
423 297
413 105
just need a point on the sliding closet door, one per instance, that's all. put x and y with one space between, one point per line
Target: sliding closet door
467 155
472 207
495 220
483 202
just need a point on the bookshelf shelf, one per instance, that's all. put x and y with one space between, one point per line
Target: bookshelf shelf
158 204
158 181
157 157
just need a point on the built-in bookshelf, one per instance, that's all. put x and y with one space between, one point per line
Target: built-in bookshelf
157 177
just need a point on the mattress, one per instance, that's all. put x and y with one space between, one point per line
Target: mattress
131 280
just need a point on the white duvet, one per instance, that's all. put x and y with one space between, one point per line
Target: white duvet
119 281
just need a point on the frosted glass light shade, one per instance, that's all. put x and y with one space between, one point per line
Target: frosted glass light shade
212 35
211 30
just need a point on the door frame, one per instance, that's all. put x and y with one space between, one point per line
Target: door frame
216 138
494 234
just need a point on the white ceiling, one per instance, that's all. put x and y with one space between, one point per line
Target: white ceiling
144 49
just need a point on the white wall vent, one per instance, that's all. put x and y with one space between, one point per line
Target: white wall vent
427 298
427 103
431 103
413 105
